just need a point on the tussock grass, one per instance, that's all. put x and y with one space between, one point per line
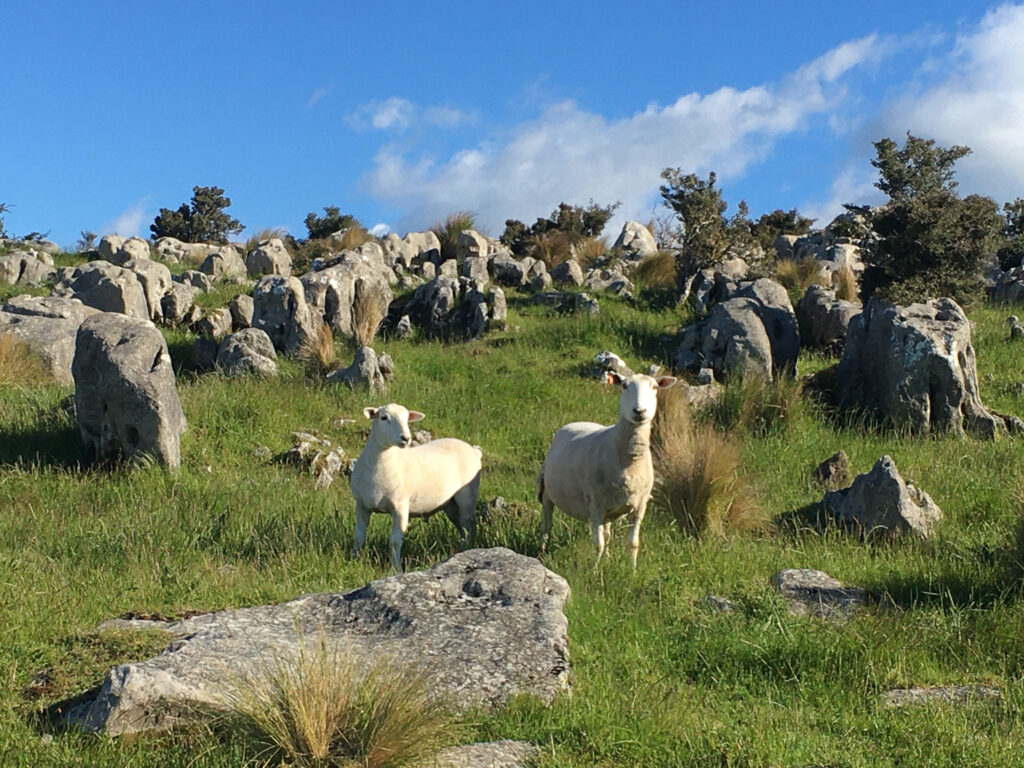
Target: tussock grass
588 250
699 481
263 235
317 350
657 272
19 365
353 237
752 404
552 248
448 231
799 275
846 285
367 314
322 708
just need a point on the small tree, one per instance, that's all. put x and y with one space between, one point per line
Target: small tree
332 221
86 241
779 222
202 221
1012 250
4 208
931 242
575 222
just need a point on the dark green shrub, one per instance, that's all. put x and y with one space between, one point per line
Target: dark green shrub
1012 250
201 221
332 221
570 223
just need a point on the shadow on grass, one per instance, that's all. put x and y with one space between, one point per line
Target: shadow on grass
44 443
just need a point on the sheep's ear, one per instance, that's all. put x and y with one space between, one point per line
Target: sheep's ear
611 377
666 381
415 416
370 413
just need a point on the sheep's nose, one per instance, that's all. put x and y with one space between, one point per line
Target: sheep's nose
405 440
640 412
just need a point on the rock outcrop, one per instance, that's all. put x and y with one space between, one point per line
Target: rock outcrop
249 351
49 327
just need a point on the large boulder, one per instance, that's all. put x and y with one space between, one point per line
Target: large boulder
270 257
824 319
508 272
1009 287
432 304
49 327
118 250
125 395
483 627
414 248
471 243
170 250
569 272
176 305
635 241
367 370
106 287
156 283
280 309
882 502
914 367
24 268
222 263
731 338
247 351
332 291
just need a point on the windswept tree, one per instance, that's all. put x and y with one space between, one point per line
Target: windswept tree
201 221
332 221
4 208
779 222
571 223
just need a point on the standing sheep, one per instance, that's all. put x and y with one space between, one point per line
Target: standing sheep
405 482
598 473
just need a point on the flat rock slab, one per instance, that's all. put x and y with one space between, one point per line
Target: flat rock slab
491 754
948 694
485 625
815 593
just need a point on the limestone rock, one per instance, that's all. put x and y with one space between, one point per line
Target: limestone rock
471 243
280 309
176 304
247 351
270 257
106 287
414 248
486 625
198 280
125 395
815 593
156 282
635 241
824 319
507 272
914 367
317 456
332 290
118 250
222 263
215 323
833 471
475 268
491 754
431 306
49 327
569 272
957 695
608 362
731 338
366 370
23 268
881 502
241 308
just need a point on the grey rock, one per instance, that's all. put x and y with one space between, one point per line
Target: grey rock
584 303
719 604
702 395
540 281
815 593
126 399
471 243
608 362
608 280
170 250
403 328
824 319
881 502
774 310
249 351
706 376
731 338
241 308
449 269
428 270
365 371
270 257
414 248
432 305
331 292
475 268
23 268
176 304
118 250
1009 287
497 308
492 754
280 309
569 272
486 625
507 272
106 287
51 307
224 262
197 280
215 323
956 695
316 455
834 470
635 241
48 326
914 367
156 282
204 354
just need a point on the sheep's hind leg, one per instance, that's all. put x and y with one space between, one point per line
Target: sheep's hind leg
464 513
547 507
597 526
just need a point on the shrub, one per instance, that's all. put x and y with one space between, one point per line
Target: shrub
552 248
86 241
846 284
332 221
779 222
449 230
367 314
202 221
698 480
574 224
4 208
1011 252
656 272
353 237
19 365
758 406
321 707
588 250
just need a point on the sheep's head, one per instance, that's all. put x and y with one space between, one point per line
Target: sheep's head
391 424
639 399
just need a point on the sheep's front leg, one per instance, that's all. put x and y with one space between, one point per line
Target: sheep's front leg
597 529
399 526
362 523
634 531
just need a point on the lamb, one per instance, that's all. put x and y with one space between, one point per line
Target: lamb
405 482
598 474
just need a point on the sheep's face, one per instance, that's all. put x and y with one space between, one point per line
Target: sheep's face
391 424
639 398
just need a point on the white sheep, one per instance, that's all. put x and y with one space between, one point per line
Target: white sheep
597 473
402 481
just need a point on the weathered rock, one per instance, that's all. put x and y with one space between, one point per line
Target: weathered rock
834 470
569 272
196 279
881 502
914 367
125 395
584 303
719 604
449 269
956 695
774 310
414 248
491 754
403 328
270 257
332 291
106 287
317 456
222 263
475 268
815 593
497 308
1009 287
609 280
204 354
156 282
824 319
215 323
366 370
170 250
249 350
635 241
432 304
608 362
48 326
280 309
241 308
731 338
706 376
23 268
486 625
507 272
118 250
176 304
471 243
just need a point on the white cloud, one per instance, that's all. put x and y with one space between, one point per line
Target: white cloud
570 154
978 100
398 114
318 94
129 222
380 229
855 184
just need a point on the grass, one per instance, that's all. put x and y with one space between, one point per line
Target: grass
799 275
751 404
19 366
847 288
658 679
263 235
320 707
552 248
588 250
448 231
657 272
317 350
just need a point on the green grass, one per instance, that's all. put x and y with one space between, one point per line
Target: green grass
659 680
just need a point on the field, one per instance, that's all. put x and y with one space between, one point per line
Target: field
659 680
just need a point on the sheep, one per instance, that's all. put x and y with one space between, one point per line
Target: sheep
402 481
598 474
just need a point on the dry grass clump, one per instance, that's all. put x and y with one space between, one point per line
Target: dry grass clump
367 313
448 231
657 271
353 237
318 350
698 479
589 250
552 248
797 276
19 365
846 284
266 234
321 707
758 406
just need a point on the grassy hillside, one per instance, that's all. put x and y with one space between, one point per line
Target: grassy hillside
659 679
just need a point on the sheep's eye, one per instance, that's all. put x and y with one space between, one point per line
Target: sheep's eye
383 418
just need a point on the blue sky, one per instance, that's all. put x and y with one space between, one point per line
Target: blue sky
402 112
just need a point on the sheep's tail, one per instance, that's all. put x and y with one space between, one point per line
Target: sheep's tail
540 485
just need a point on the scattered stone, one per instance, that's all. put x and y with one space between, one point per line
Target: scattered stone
958 695
241 308
608 362
475 268
248 351
487 624
834 470
719 604
366 370
316 454
125 395
815 593
584 303
881 502
492 754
